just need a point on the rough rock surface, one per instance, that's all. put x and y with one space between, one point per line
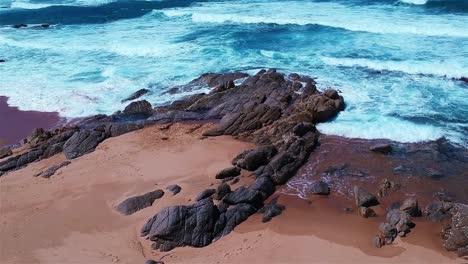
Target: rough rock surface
174 188
410 206
455 235
221 191
228 172
52 170
364 198
82 142
136 203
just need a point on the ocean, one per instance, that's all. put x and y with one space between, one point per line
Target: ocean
398 64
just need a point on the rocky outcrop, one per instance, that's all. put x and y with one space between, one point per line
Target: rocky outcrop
137 203
52 170
136 95
455 234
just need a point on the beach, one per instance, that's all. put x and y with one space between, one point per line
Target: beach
71 217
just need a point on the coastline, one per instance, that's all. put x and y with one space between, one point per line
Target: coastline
17 124
59 225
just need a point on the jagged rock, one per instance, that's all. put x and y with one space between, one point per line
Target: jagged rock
385 186
366 212
5 152
244 195
228 172
438 211
364 198
82 142
174 188
271 210
139 107
137 203
135 95
221 191
400 220
319 188
381 148
258 157
205 194
410 206
51 171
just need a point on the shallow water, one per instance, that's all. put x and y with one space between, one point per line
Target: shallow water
395 62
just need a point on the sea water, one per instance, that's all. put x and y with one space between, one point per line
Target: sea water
397 63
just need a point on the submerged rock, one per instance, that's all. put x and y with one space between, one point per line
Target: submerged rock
137 203
319 188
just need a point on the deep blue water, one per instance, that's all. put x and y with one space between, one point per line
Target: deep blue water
395 62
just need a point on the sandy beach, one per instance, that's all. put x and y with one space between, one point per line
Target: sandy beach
70 217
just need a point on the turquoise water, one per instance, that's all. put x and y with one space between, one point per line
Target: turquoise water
395 62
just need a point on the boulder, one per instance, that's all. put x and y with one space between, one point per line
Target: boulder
438 211
228 172
381 148
205 194
174 188
135 95
137 203
364 198
139 107
410 206
5 152
258 157
318 188
82 142
221 191
387 186
265 185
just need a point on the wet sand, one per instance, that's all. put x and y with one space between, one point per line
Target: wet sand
16 124
69 218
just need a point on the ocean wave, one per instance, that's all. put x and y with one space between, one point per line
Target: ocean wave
449 69
360 19
414 2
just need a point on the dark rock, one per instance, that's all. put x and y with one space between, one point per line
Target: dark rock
332 94
174 188
377 242
45 26
271 210
118 129
135 95
302 128
381 148
386 186
410 206
5 152
205 194
139 107
150 261
265 185
137 203
19 26
464 79
319 188
51 171
366 212
82 142
2 60
228 172
438 211
258 157
244 195
221 191
236 180
364 198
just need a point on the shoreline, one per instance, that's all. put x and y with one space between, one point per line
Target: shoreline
18 124
141 161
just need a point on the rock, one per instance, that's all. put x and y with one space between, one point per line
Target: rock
244 195
271 210
438 211
51 171
332 94
364 198
302 128
228 172
137 203
381 148
386 186
366 212
464 79
400 220
2 60
236 180
221 191
410 206
265 185
45 26
174 188
377 242
205 194
82 142
139 108
19 26
319 188
150 261
135 95
258 157
5 152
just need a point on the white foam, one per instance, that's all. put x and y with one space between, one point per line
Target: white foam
374 19
451 69
415 2
21 4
